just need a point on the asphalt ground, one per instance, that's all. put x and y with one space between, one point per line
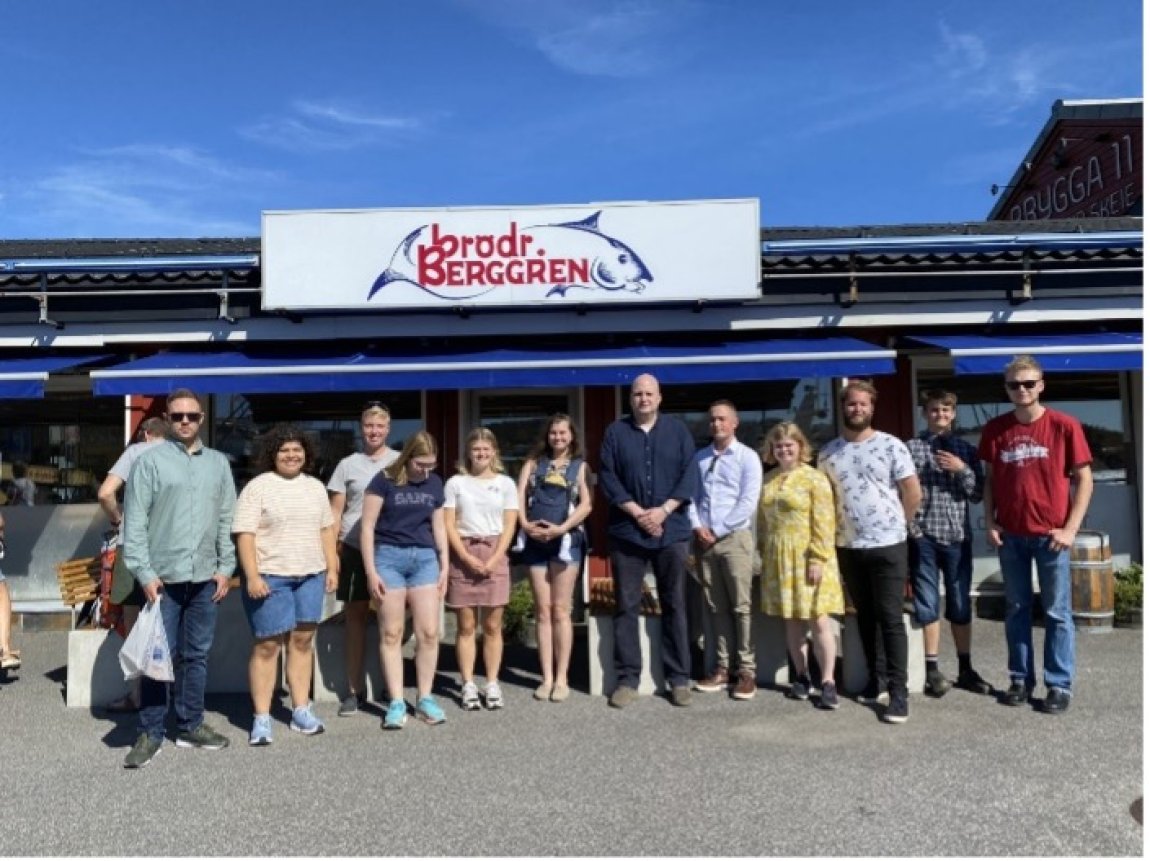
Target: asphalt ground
965 776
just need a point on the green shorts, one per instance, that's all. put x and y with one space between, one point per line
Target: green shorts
125 589
352 578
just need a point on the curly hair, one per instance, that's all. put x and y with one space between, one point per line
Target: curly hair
275 439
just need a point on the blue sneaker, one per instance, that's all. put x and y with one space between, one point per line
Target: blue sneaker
261 731
396 715
428 710
302 720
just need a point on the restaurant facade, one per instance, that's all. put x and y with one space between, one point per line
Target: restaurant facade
502 316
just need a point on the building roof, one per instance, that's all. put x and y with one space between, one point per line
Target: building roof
1065 110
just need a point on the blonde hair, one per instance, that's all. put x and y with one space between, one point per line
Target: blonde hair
419 444
373 410
479 435
780 432
858 386
1022 363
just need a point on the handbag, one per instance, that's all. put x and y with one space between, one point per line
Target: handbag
145 652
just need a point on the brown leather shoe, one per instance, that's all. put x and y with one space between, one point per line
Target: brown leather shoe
714 682
745 687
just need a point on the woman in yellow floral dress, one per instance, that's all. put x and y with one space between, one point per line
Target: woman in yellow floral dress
797 540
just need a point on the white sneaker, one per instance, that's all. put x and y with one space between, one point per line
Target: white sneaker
470 699
494 695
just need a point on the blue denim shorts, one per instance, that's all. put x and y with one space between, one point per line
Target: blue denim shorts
406 567
537 554
292 601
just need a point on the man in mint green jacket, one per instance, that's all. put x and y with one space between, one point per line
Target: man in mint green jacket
178 507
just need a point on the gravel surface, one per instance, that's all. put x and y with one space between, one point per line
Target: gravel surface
965 776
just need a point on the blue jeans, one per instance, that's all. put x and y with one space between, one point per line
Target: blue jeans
1015 556
189 616
954 561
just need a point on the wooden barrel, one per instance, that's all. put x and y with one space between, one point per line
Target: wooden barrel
1092 582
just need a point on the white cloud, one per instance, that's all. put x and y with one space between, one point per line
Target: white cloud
606 38
136 190
962 53
330 126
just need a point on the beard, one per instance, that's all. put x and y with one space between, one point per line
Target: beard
857 424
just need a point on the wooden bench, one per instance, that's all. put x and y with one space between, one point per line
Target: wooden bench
79 581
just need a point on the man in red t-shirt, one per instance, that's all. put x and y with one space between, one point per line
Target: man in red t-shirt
1038 485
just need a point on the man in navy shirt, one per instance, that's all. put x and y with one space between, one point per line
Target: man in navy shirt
648 478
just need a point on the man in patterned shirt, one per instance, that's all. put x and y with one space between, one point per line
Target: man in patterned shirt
950 474
877 493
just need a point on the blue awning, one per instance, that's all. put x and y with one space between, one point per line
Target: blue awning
238 372
1093 351
25 378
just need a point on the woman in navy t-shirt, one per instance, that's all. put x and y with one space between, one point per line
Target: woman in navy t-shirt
405 559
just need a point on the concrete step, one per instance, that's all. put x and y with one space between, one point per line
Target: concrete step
40 616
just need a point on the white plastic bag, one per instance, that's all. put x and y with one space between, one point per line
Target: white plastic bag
145 652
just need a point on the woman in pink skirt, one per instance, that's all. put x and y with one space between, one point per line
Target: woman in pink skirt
480 513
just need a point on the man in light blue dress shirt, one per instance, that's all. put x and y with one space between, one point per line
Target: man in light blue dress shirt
178 508
723 510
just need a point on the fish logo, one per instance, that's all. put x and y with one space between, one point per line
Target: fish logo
571 255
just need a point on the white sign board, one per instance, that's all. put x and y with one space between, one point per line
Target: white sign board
556 255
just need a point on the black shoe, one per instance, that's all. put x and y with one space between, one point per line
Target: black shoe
874 693
800 690
899 709
973 682
1057 701
1017 694
936 684
829 697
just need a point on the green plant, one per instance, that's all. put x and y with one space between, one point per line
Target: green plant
1127 592
520 612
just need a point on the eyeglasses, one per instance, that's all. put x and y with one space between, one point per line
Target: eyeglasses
1015 385
425 465
192 418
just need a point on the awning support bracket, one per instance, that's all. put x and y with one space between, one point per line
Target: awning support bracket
42 301
852 297
1027 291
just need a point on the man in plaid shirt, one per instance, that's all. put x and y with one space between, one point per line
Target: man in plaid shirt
950 473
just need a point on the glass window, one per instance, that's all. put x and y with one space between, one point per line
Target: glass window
1092 398
808 402
516 419
58 450
332 419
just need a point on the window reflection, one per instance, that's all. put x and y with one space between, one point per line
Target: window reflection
761 405
332 419
64 446
1092 398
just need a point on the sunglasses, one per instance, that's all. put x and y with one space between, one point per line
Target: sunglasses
192 418
375 405
1015 385
425 465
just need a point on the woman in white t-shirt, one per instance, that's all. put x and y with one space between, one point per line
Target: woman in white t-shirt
480 513
285 541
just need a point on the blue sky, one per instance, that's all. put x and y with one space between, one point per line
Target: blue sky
149 119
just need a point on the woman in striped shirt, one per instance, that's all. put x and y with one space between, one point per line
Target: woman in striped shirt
285 540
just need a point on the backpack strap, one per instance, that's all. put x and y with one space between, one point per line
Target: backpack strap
572 479
541 467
